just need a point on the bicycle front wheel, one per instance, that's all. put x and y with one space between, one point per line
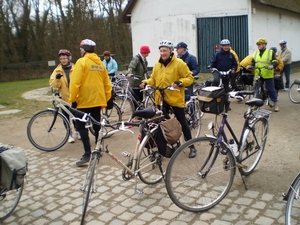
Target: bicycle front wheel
9 200
88 187
149 159
193 117
48 130
292 211
253 145
198 184
294 93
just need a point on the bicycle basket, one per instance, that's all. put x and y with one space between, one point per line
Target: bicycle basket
212 100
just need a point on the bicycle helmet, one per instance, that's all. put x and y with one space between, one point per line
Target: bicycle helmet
261 41
88 45
282 42
274 49
166 43
64 52
225 42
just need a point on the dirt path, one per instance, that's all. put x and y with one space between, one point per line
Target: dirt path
279 164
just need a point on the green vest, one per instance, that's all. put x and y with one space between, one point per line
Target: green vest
264 61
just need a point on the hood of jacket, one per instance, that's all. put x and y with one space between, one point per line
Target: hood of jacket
94 57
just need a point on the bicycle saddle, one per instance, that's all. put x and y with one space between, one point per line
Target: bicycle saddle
145 113
255 102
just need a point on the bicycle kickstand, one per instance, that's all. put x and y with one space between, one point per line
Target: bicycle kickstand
246 188
136 190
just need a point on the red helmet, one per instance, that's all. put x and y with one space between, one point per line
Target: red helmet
64 52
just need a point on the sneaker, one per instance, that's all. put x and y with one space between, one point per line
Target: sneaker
78 135
276 108
193 152
71 139
83 160
286 89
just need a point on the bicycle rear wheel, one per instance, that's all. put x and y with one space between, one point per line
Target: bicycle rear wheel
150 159
193 117
9 200
88 187
253 145
292 211
48 130
198 184
294 93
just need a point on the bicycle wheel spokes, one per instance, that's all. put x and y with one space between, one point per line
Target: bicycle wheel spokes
193 117
294 93
88 186
150 159
188 184
126 107
46 135
253 146
292 212
9 201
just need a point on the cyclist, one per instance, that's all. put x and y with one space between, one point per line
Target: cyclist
169 70
265 59
60 79
278 81
111 65
90 89
138 66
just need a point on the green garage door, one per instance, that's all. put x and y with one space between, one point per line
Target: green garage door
212 30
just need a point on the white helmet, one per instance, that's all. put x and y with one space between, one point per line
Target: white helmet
225 42
282 42
166 43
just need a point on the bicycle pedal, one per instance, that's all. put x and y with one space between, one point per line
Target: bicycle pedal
240 165
126 154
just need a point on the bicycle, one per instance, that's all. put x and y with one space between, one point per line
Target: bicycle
146 162
49 130
200 183
126 98
9 199
293 202
294 92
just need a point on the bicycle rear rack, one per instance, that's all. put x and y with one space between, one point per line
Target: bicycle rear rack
259 113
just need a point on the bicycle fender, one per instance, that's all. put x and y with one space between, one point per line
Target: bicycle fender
211 136
286 195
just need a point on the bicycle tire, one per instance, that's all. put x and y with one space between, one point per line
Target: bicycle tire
9 200
149 101
148 154
293 204
193 117
252 150
192 190
38 130
294 93
87 187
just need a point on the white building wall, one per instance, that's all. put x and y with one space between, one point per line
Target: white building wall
156 20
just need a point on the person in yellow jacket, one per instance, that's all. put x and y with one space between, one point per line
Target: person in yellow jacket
265 59
170 70
60 79
90 89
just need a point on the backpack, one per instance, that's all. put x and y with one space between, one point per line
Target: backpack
13 167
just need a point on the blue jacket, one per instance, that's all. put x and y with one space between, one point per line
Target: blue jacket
111 67
191 61
223 61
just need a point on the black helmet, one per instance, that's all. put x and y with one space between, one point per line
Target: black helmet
274 49
88 45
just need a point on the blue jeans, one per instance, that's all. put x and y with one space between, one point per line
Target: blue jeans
287 72
270 86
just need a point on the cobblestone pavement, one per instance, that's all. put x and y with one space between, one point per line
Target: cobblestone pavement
53 197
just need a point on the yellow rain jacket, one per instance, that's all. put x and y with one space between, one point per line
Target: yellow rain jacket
163 76
90 85
62 83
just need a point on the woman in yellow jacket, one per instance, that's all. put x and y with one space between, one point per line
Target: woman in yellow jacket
170 70
60 79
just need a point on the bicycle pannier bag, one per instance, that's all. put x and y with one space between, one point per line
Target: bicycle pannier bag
13 163
171 130
164 148
212 99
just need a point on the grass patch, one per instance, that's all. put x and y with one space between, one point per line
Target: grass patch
11 97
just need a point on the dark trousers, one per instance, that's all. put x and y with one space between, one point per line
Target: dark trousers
67 116
287 72
80 127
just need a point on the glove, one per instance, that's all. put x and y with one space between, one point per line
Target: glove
74 105
249 67
178 83
58 76
270 67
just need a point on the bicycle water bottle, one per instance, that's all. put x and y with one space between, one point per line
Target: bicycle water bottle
233 147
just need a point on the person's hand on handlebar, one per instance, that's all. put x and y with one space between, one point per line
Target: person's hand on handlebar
177 84
142 85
